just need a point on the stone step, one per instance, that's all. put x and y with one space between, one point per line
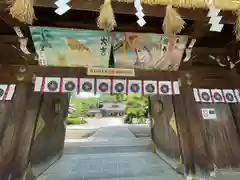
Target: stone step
144 178
112 149
102 142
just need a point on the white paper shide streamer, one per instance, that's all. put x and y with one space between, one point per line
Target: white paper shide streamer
189 50
215 19
18 32
23 41
63 7
23 45
137 4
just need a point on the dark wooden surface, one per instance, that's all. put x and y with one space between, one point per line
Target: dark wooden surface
18 147
17 126
183 128
163 135
196 136
50 141
202 77
222 138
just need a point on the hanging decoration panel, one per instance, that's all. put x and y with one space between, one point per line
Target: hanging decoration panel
105 86
147 51
87 85
134 87
202 95
47 84
70 84
7 91
150 87
168 87
119 86
237 94
216 95
73 48
229 96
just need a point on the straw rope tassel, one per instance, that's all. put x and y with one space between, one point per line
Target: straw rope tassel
106 19
23 11
173 23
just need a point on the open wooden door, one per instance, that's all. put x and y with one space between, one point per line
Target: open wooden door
164 129
213 140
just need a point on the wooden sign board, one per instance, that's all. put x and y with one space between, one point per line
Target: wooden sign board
97 71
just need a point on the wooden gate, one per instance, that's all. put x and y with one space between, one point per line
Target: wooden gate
164 131
201 143
21 144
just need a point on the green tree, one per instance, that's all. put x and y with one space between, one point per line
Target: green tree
136 105
121 97
82 105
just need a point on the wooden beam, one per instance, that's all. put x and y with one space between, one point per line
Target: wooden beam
11 53
201 77
82 72
206 50
126 23
200 57
128 8
9 39
9 73
214 77
199 29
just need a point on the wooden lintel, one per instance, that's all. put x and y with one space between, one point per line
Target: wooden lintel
201 77
128 8
82 73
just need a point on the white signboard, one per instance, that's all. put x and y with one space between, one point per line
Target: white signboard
209 113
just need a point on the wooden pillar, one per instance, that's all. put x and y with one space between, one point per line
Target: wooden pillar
183 130
193 139
17 124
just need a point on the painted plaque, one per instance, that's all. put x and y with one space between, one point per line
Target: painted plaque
148 51
68 47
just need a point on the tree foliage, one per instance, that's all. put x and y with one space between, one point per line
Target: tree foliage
136 105
82 105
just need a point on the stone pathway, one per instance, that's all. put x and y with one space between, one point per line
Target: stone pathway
110 153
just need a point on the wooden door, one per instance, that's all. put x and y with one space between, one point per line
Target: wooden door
222 138
164 130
